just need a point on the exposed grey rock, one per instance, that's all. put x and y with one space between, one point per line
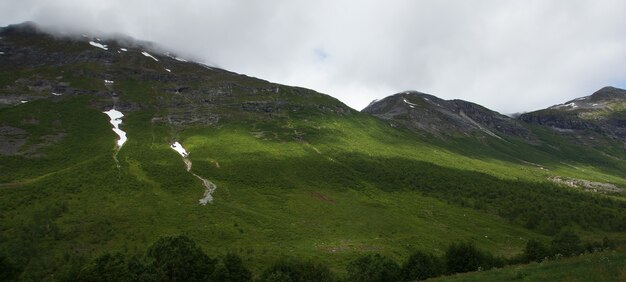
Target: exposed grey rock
426 113
602 114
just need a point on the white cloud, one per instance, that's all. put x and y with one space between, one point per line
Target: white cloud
507 55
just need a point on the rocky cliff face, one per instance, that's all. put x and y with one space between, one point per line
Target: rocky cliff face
600 115
37 65
424 113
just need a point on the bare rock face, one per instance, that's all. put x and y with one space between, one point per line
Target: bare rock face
424 113
602 114
132 75
11 140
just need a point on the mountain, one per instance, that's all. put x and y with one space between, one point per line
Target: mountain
108 144
427 113
585 130
587 120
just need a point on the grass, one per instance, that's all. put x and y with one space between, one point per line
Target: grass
589 267
314 181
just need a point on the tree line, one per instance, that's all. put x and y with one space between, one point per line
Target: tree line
179 258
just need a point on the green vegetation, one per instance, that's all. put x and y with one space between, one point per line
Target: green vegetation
373 267
305 187
178 258
605 266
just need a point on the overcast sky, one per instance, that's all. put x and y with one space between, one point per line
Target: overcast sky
509 56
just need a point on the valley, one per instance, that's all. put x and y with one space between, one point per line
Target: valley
278 171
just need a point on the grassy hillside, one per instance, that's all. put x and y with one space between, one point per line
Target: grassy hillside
298 174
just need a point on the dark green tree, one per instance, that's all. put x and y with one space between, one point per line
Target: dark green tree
421 266
463 257
8 269
231 269
566 243
373 268
292 270
107 267
178 258
535 251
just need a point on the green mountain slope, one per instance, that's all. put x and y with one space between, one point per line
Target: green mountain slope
298 173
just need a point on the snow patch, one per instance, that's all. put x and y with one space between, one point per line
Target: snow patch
179 148
123 49
108 82
56 94
148 55
116 120
180 59
168 70
23 101
101 46
1 53
571 105
409 103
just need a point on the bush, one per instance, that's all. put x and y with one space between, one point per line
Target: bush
114 267
179 259
231 269
289 270
465 257
8 269
535 251
421 266
373 268
566 243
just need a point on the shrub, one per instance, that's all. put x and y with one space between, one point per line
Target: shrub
179 259
465 257
535 251
290 270
373 268
113 267
566 243
231 269
8 269
421 266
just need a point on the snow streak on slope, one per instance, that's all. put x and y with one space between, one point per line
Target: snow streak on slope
149 56
101 46
116 120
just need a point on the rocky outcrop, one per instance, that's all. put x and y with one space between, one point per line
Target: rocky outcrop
182 92
602 114
424 113
586 185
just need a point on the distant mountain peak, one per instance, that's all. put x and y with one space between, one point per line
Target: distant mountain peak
600 99
601 113
425 113
608 93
